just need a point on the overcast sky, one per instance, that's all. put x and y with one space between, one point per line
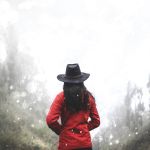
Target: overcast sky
109 39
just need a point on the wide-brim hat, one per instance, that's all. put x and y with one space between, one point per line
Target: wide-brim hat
73 74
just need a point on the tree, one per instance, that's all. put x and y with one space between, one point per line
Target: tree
21 67
96 142
11 50
3 83
148 86
128 100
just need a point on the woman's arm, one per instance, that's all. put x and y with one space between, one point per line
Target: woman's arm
53 115
95 119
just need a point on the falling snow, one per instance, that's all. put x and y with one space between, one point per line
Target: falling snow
111 137
117 141
107 34
11 87
32 125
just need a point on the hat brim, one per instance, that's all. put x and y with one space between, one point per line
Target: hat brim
85 76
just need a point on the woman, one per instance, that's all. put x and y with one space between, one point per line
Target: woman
74 105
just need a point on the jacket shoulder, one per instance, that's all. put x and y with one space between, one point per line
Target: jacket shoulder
91 101
60 97
91 98
61 94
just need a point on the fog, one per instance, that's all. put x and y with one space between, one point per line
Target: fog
108 39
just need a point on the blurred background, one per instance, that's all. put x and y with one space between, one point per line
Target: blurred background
108 39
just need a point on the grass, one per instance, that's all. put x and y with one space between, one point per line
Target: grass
140 142
20 130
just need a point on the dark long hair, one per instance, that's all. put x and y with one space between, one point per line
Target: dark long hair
76 96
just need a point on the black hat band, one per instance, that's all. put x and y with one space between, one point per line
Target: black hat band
73 77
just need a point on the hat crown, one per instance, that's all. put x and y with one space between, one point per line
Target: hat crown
73 70
73 74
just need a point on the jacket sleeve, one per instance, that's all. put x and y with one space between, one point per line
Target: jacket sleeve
95 119
53 115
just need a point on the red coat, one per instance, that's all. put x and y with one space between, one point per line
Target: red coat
74 131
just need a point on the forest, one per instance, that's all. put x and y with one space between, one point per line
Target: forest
24 101
109 39
128 128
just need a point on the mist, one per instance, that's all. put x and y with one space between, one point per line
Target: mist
108 39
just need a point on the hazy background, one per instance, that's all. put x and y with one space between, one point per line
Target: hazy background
109 39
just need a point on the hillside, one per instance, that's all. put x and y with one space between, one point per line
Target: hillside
141 142
21 129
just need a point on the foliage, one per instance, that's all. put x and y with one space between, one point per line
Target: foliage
23 101
22 109
128 127
24 131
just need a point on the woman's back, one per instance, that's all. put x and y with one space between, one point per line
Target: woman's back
74 105
74 125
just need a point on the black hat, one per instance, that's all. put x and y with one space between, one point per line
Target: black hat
73 74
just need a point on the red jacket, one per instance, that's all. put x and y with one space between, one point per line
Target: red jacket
74 129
